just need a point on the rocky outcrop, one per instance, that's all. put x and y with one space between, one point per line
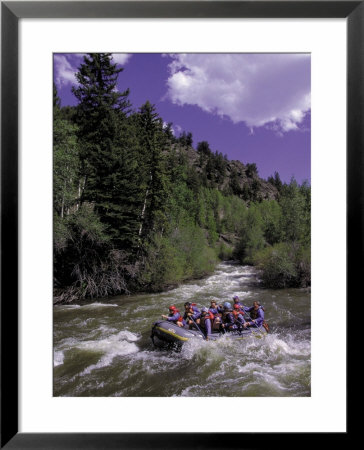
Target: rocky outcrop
230 177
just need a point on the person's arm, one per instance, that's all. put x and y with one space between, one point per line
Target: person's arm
197 315
241 318
173 318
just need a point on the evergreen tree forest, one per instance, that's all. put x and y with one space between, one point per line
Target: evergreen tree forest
137 209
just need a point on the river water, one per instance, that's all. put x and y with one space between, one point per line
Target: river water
104 348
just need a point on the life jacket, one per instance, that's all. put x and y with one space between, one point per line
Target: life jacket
208 315
225 315
180 318
254 313
236 313
191 310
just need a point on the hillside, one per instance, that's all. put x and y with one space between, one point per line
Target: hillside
231 177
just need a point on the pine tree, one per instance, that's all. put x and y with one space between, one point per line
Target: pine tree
99 111
107 144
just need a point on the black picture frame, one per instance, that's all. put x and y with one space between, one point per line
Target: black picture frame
11 12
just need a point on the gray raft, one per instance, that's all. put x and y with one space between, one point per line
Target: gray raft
165 333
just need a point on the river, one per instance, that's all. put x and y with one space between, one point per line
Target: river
103 348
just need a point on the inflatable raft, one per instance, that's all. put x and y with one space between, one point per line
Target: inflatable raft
165 333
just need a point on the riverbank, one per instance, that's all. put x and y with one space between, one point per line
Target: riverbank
70 295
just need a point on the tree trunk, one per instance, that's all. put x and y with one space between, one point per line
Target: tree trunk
144 207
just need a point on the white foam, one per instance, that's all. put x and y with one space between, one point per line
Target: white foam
288 347
58 358
119 344
113 350
100 305
59 308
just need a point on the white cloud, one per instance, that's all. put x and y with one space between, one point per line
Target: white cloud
258 89
121 58
64 71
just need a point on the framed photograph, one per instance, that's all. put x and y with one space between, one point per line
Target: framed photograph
214 121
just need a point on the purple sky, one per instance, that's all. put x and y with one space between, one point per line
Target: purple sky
251 107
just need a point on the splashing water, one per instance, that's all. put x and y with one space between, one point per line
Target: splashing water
104 348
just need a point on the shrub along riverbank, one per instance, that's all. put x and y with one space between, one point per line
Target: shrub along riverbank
137 209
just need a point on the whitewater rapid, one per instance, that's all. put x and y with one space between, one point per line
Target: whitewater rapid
104 349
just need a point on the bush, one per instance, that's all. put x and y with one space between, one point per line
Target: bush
251 237
224 252
84 260
181 255
284 265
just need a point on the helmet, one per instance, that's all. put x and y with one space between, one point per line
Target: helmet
172 308
227 305
204 309
236 297
187 304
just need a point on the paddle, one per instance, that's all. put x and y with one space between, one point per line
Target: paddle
203 335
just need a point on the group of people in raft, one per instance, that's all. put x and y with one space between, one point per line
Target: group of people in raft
218 317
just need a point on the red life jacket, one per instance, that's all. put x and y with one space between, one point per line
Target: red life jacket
208 315
180 318
237 312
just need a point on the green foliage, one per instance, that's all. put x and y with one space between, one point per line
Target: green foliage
224 252
152 163
234 185
107 140
80 239
276 236
185 139
203 148
271 214
251 170
100 109
135 209
168 130
233 214
276 182
284 265
65 162
295 213
252 235
183 254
